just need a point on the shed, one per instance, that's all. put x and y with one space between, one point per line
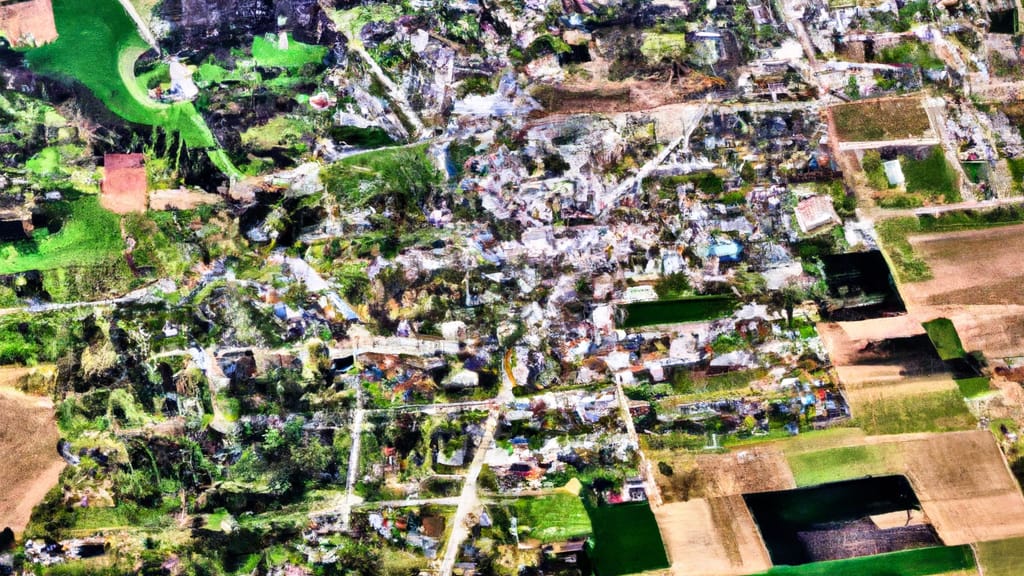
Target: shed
814 213
894 172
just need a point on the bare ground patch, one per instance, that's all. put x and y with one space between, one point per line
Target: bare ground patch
756 469
28 437
716 536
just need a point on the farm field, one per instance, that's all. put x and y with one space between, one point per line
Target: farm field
693 309
941 411
919 562
1002 557
28 436
713 536
627 540
888 119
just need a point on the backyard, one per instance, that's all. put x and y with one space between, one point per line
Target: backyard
552 518
693 309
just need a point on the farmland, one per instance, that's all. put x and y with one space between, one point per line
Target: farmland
1001 557
692 309
873 120
943 334
28 435
627 540
929 412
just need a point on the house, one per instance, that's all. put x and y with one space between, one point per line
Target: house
27 23
642 293
124 188
815 213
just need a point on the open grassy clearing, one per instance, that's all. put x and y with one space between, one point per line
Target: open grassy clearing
932 176
627 540
974 387
844 463
887 119
1002 557
266 52
930 412
90 236
943 335
552 518
919 562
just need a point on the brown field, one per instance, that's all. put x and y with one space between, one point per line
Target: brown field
759 469
182 199
706 537
28 436
883 119
973 267
30 20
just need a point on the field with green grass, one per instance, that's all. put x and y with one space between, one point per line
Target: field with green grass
931 412
98 46
932 176
887 119
91 235
974 387
918 562
894 235
626 540
693 309
1002 557
553 518
844 463
944 337
267 53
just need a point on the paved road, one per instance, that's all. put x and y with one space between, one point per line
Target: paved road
141 24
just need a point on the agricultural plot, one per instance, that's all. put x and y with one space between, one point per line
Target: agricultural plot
943 335
920 562
693 309
711 536
874 120
1002 557
28 437
626 540
929 412
960 478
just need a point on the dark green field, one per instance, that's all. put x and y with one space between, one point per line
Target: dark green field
943 335
627 540
918 562
693 309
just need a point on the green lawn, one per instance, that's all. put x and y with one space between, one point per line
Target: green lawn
98 46
626 540
553 518
267 54
835 464
931 412
693 309
932 176
91 235
917 562
974 387
944 337
1002 557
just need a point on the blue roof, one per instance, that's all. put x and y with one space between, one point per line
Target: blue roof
726 250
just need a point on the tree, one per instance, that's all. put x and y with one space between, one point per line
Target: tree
672 285
852 88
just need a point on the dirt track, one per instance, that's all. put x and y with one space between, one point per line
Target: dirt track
28 436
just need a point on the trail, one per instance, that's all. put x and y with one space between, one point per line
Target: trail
141 24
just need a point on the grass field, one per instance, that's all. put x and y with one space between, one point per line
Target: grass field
693 309
932 176
942 333
974 387
553 518
627 540
1002 557
844 463
931 412
98 46
919 562
872 120
893 234
90 236
267 54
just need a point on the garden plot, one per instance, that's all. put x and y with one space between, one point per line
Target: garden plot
880 120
